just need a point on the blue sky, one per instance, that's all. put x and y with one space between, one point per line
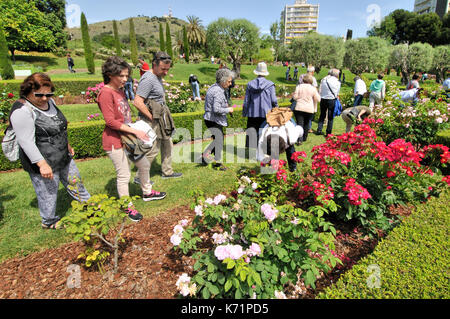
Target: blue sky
336 16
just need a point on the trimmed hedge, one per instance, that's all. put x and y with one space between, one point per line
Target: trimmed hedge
443 137
86 137
62 87
413 260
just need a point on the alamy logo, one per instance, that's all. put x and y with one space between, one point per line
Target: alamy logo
73 12
374 17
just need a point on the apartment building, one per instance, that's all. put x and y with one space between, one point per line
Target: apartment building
299 19
441 7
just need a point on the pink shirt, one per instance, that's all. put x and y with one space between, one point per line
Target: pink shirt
307 98
116 111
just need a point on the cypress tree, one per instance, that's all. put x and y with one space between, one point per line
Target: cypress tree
168 41
185 44
88 54
116 39
162 43
133 44
6 69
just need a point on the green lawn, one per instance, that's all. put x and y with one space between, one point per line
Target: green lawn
20 232
205 71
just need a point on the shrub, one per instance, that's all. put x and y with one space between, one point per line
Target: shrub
417 124
98 221
88 54
6 69
257 248
6 100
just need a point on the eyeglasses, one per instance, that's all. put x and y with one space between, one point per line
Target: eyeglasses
41 95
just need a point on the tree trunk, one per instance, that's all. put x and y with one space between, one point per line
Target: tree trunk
13 56
237 69
405 77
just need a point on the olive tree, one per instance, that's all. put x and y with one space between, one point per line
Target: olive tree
318 50
237 39
367 55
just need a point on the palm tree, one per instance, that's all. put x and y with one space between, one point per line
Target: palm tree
195 32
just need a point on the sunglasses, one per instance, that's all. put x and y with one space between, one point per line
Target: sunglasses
41 95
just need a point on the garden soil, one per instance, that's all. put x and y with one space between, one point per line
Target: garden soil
148 266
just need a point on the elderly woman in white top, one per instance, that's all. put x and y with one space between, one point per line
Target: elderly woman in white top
216 110
360 90
329 92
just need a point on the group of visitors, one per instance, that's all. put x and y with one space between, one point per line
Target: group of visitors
45 152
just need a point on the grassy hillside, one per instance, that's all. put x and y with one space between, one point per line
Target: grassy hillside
145 26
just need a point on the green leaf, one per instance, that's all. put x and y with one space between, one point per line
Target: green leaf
228 285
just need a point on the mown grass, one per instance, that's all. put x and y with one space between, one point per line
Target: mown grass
411 263
20 232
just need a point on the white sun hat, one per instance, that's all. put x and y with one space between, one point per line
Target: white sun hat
261 69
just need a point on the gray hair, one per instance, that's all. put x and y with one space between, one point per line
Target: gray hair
311 69
334 72
223 75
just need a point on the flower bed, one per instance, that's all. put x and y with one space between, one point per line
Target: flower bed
278 230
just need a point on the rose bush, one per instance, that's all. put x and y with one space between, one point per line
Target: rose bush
6 100
417 123
255 248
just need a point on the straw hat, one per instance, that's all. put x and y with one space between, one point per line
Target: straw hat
261 69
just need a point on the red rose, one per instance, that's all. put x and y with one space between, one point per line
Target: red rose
10 95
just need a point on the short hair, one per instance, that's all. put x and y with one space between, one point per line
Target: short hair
161 56
357 78
113 67
223 75
334 72
415 77
380 76
308 79
311 69
276 140
34 82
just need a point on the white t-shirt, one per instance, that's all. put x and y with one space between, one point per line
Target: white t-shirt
409 95
290 133
360 87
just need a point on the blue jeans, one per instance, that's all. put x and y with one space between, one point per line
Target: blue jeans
358 100
47 190
195 89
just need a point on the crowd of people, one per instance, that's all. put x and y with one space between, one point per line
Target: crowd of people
46 154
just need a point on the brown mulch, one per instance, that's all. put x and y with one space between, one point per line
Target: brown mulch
148 265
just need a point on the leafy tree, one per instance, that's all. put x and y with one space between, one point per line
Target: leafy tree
441 62
6 69
318 50
169 49
133 44
25 27
427 28
237 39
195 33
444 36
55 10
411 58
117 44
162 42
402 26
88 54
366 54
397 26
185 45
